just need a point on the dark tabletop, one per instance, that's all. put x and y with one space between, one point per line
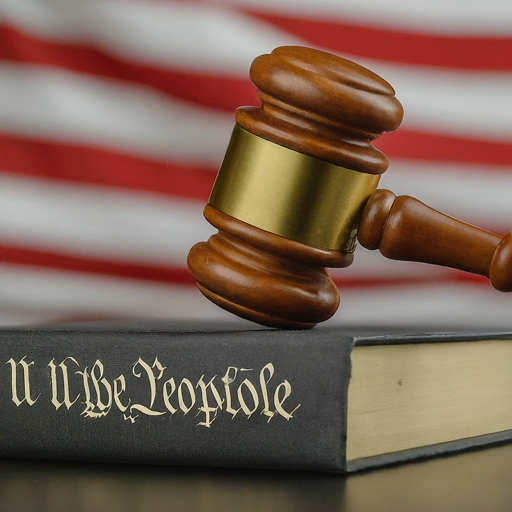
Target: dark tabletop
475 481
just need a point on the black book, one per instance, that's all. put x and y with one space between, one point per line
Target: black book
329 399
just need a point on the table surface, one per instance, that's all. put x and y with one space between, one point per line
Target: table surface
480 480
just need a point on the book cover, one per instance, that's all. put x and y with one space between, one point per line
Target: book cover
218 396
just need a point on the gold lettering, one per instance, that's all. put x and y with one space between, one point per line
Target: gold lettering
152 386
97 378
263 384
250 386
191 393
117 392
96 381
278 402
89 406
101 394
26 382
227 379
168 395
205 407
65 383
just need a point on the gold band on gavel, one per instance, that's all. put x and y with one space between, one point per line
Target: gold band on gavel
290 194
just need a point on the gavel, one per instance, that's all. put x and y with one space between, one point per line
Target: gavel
298 187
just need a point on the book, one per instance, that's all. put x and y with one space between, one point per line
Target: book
329 399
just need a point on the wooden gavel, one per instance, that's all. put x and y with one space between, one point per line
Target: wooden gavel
298 186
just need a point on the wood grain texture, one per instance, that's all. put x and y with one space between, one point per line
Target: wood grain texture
323 106
264 277
403 228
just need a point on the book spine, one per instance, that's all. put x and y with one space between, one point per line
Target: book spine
251 399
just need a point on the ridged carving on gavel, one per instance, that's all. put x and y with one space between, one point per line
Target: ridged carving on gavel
298 182
323 106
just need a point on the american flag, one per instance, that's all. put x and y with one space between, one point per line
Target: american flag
115 114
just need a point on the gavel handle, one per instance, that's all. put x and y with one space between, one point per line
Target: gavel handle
403 228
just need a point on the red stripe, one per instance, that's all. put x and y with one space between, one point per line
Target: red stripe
90 165
80 164
180 275
50 260
210 90
485 53
429 146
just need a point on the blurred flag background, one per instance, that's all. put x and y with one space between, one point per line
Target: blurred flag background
115 114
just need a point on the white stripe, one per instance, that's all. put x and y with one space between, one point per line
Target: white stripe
28 316
65 106
476 194
474 104
491 18
129 226
60 294
436 306
100 223
369 265
165 33
32 295
155 31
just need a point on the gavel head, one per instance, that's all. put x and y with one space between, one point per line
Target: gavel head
291 189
